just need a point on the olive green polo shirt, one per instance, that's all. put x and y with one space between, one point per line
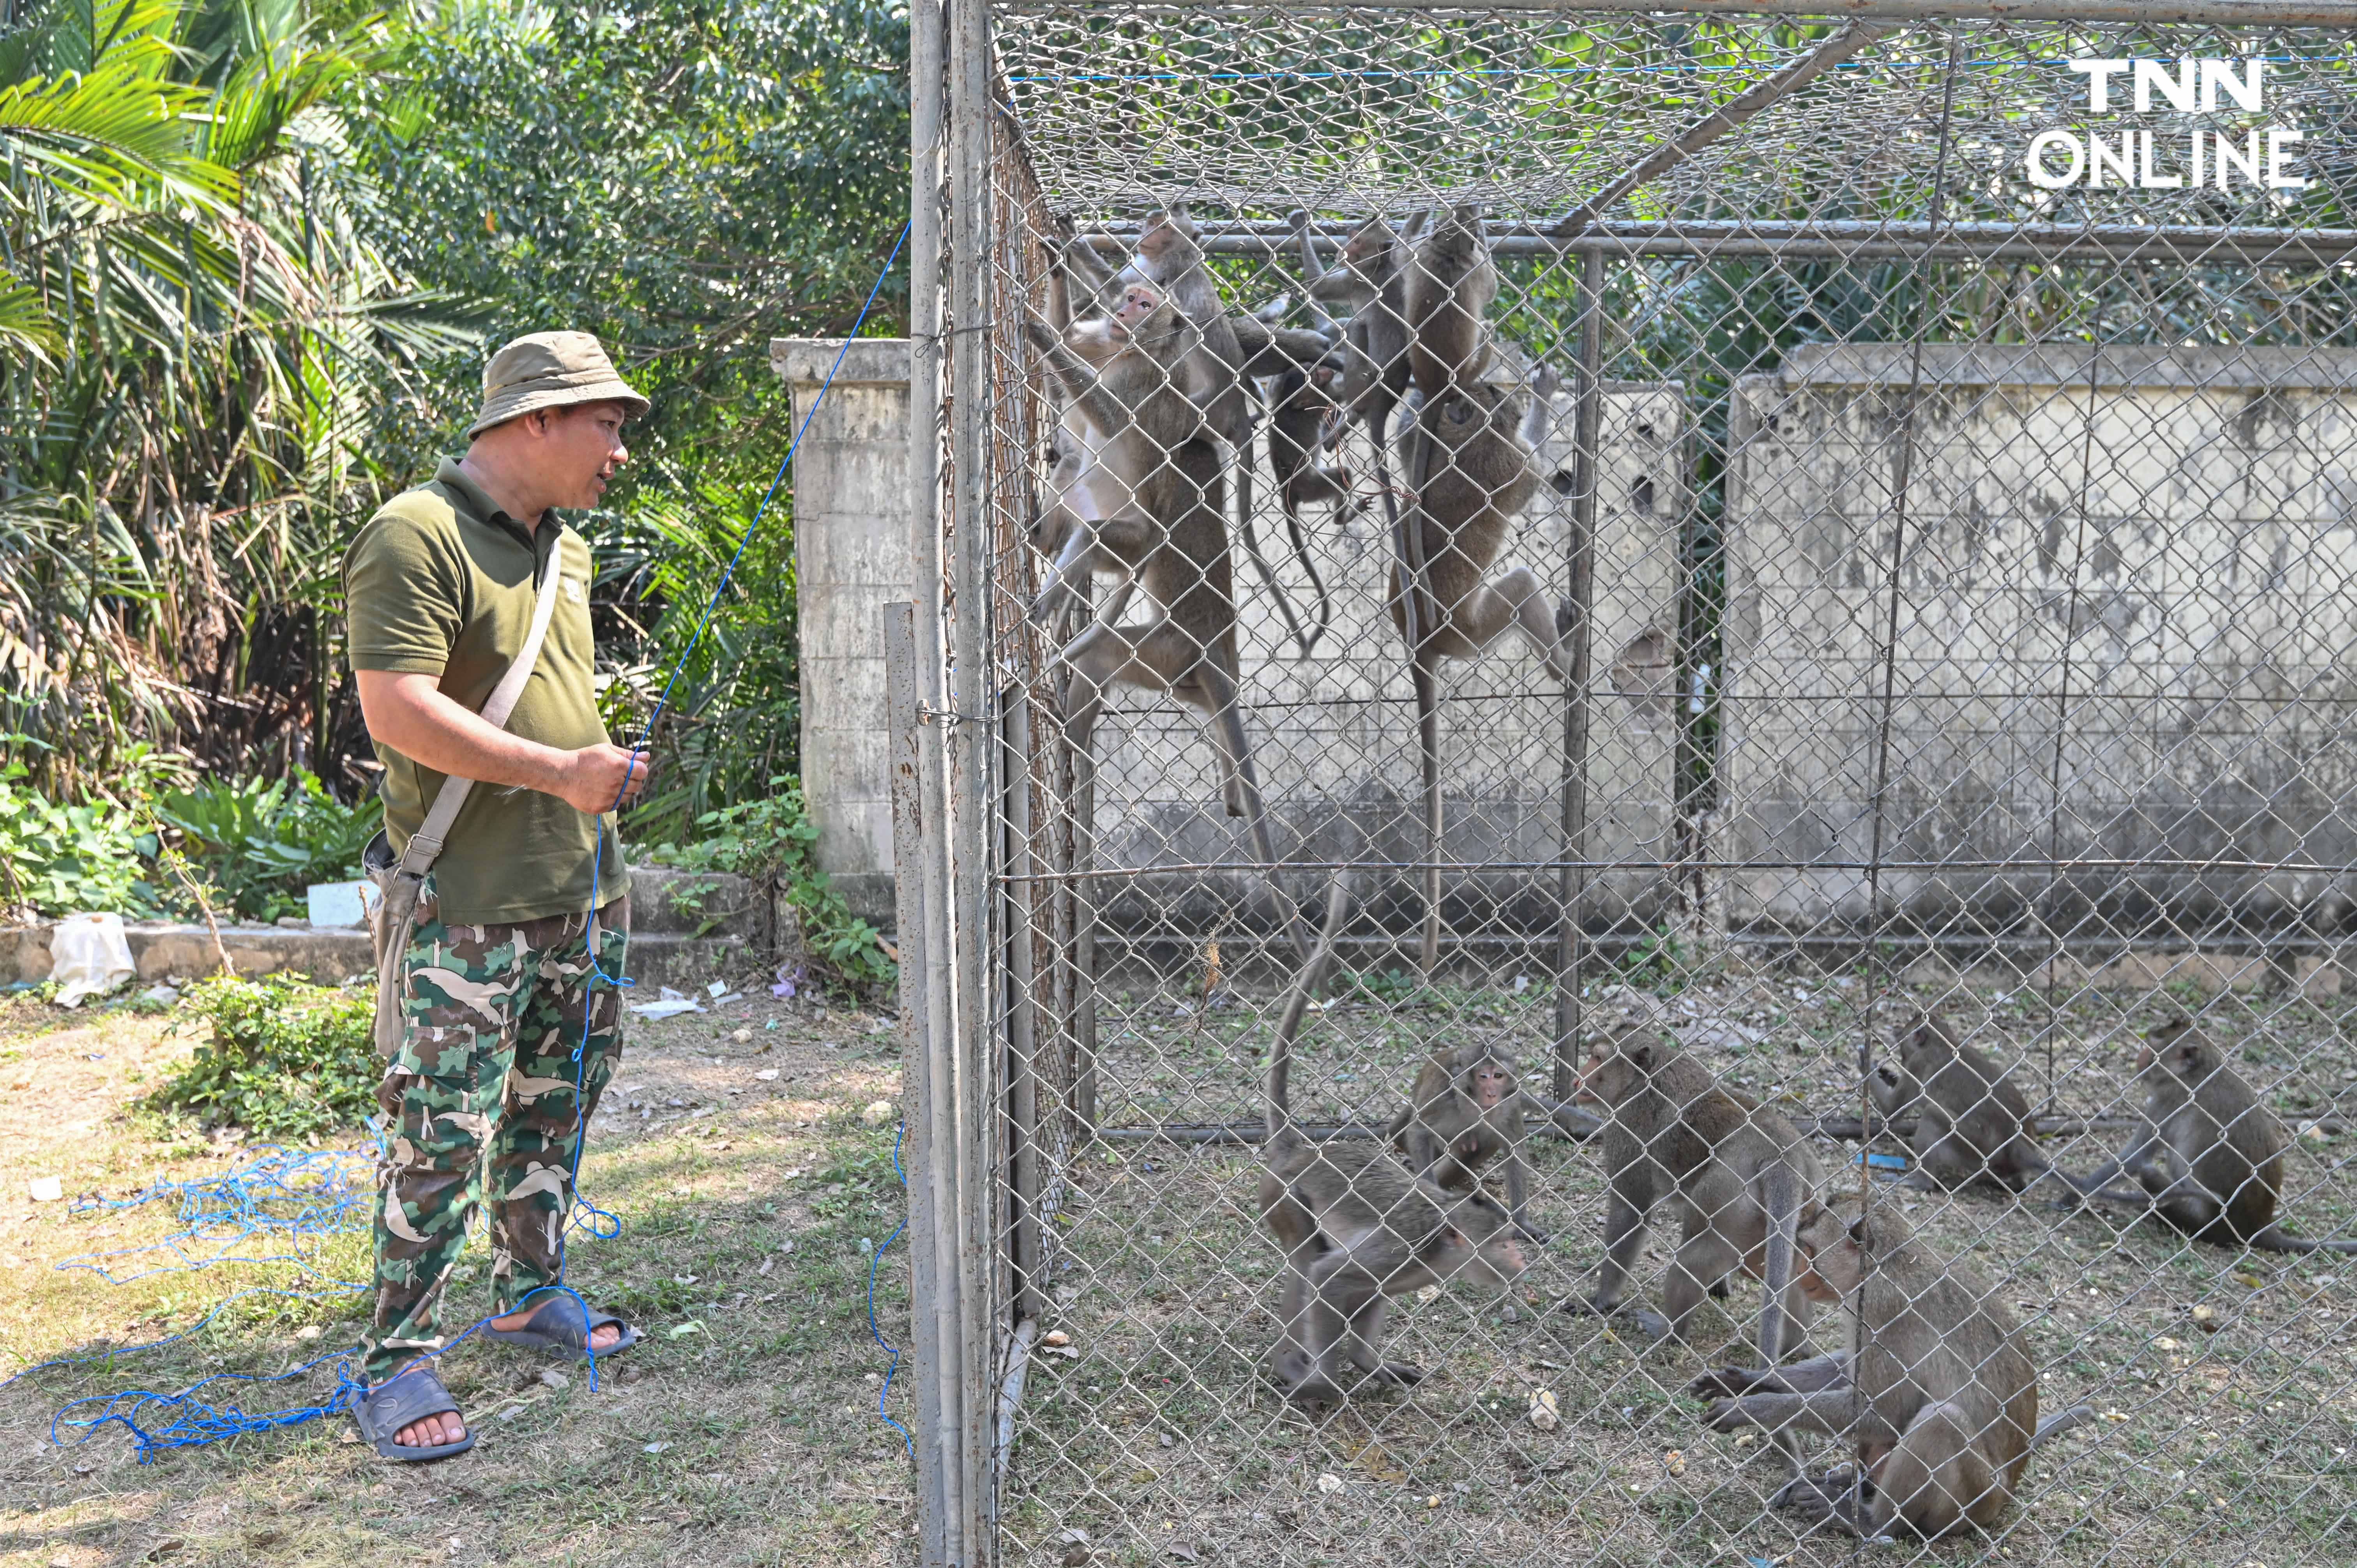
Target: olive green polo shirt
440 582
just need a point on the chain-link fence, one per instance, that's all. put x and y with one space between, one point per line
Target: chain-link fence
1852 624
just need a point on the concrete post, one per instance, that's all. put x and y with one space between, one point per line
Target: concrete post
852 555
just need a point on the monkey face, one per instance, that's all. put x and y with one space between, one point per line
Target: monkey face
1491 1083
1138 301
1370 243
2184 1058
1613 1072
1167 232
1829 1256
1478 1244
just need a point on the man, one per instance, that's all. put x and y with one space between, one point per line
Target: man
494 983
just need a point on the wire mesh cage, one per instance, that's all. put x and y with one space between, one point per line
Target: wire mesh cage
1785 580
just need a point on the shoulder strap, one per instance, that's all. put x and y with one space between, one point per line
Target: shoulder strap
426 843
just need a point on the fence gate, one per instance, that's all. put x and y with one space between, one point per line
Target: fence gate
1921 452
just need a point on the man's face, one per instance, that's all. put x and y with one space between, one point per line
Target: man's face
578 450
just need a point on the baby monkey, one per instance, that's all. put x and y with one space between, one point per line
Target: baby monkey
1935 1390
1466 1111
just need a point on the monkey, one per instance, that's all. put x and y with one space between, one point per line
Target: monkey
1355 1226
1301 406
1470 472
1371 277
1156 479
1738 1175
1144 333
1464 1111
1936 1389
1452 283
2209 1158
1474 471
1169 259
1971 1123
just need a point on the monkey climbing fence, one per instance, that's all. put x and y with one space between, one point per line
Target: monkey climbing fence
1939 503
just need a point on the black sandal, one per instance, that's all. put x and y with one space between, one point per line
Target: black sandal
409 1395
565 1330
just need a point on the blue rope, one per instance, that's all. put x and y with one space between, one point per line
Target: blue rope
875 1333
304 1196
225 1212
301 1197
598 856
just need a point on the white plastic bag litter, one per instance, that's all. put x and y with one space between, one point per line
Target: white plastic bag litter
671 1004
88 956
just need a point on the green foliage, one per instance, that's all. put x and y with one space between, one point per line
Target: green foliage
771 837
1390 987
1657 962
687 179
251 255
262 842
194 332
284 1060
62 859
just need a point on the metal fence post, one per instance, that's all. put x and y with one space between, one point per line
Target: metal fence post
934 1196
969 741
1572 886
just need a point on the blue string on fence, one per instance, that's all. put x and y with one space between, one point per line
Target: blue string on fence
226 1211
875 1333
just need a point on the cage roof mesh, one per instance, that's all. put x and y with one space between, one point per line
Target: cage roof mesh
1343 112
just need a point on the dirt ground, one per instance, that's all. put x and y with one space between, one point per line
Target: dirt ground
2226 1385
743 1430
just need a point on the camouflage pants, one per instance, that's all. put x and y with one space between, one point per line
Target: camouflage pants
481 1092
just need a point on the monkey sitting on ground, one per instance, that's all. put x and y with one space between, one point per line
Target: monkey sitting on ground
1935 1390
1356 1227
2209 1158
1464 1111
1738 1174
1971 1123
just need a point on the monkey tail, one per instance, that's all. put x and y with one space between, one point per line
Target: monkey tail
2275 1239
1317 584
2060 1421
1297 1003
1781 1197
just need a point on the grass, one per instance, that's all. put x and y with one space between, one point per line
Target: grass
1160 1441
1156 1437
750 1439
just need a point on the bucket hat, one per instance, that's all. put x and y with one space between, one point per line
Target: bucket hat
550 369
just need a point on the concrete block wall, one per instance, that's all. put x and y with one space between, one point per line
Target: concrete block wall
852 554
2124 634
1334 734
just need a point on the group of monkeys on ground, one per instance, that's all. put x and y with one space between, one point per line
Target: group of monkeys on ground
1935 1395
1159 380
